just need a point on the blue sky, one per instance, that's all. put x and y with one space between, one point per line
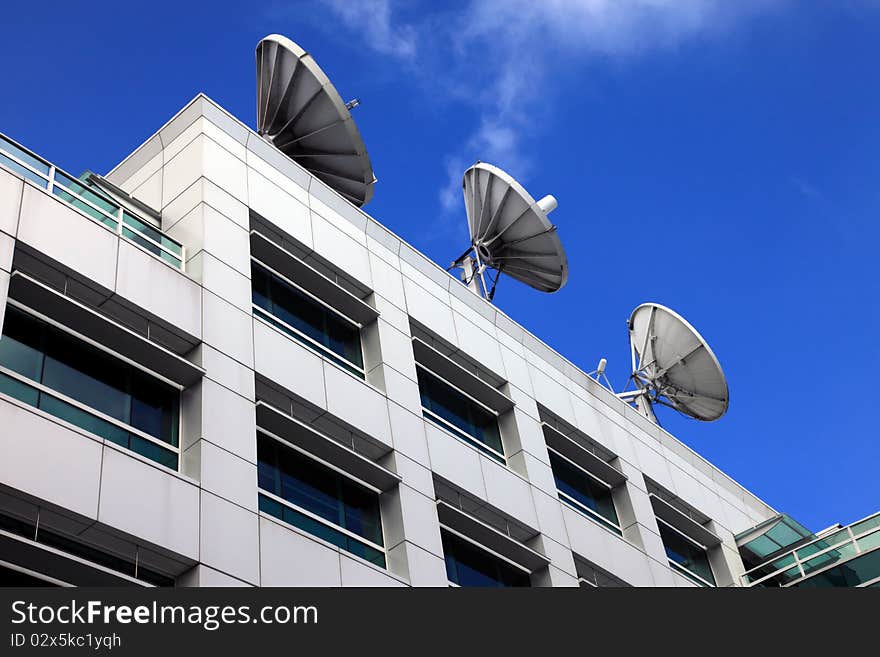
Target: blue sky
720 158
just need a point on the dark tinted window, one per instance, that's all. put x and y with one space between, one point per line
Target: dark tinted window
854 572
322 491
686 554
339 339
474 423
10 577
468 565
583 490
79 371
74 546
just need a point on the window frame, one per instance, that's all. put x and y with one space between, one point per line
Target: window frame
682 569
23 307
458 433
48 579
282 426
313 516
102 332
176 449
93 412
594 516
79 552
306 341
492 553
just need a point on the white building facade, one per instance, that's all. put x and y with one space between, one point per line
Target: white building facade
216 371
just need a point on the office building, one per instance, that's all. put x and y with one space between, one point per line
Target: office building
216 370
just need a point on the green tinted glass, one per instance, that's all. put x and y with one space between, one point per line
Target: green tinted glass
18 390
21 154
23 171
473 423
97 381
334 336
866 525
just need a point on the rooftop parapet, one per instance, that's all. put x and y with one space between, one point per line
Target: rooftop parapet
94 200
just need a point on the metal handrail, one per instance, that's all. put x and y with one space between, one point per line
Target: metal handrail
88 200
843 539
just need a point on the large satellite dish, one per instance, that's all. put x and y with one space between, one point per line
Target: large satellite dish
673 366
302 114
510 233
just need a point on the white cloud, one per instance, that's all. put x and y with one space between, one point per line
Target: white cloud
612 27
497 55
373 20
493 142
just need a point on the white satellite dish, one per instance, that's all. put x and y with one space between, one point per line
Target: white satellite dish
510 233
673 366
302 114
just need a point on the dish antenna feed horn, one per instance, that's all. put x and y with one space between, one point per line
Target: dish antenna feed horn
510 234
672 365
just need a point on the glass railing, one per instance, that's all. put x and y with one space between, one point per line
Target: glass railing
90 201
819 554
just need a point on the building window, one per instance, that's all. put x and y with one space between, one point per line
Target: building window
686 556
317 499
55 372
76 547
307 320
460 414
20 578
584 492
469 565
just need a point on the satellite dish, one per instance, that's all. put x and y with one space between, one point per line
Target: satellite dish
302 114
674 366
510 233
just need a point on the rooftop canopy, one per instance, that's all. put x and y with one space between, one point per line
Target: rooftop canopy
771 537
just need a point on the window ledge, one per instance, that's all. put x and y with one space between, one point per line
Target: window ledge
268 517
448 369
315 352
618 532
581 456
489 537
113 336
164 469
665 511
60 565
303 274
99 440
314 442
495 457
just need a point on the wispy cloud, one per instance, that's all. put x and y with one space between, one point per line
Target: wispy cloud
610 27
494 142
497 55
806 189
372 19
